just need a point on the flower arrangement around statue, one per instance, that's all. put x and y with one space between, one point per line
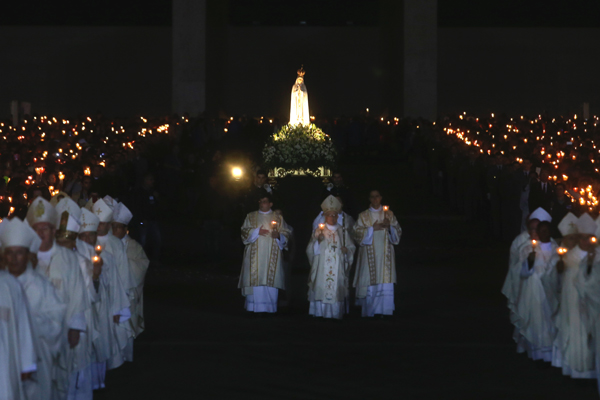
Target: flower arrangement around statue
299 148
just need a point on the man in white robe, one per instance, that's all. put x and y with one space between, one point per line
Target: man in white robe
343 219
376 231
61 267
534 327
138 262
18 358
46 309
588 287
112 307
512 283
115 247
572 350
265 235
330 252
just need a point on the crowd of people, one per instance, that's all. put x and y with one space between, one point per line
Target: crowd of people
71 301
499 169
534 182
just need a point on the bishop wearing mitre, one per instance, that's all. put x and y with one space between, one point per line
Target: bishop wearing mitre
376 231
19 361
265 235
46 309
61 266
573 350
330 252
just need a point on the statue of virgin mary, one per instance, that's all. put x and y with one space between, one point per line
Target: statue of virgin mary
299 107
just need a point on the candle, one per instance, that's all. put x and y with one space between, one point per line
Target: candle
96 259
321 226
274 224
386 208
562 251
593 239
98 249
533 243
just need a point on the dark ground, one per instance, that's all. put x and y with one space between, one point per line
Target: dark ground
449 338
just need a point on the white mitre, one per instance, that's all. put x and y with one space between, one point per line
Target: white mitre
89 204
102 211
110 202
568 225
121 214
41 210
17 233
586 224
541 215
69 215
89 221
58 197
331 204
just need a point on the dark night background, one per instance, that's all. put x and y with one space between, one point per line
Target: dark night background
450 336
511 56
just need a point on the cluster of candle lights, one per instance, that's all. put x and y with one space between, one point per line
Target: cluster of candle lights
558 143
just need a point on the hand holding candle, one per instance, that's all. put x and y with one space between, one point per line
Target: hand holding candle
321 235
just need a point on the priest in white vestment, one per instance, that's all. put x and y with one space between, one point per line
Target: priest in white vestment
588 286
572 350
534 327
46 309
114 246
138 262
330 252
18 358
376 232
61 267
112 307
344 219
512 283
265 235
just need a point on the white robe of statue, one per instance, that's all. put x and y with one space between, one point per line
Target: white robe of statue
299 106
47 317
572 351
262 272
17 350
534 327
328 280
375 274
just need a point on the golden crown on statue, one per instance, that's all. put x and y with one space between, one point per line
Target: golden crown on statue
301 71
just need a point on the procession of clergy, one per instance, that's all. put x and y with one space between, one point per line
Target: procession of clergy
71 298
553 293
331 254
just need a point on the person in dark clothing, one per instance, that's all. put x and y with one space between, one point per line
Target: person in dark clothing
144 205
541 193
559 207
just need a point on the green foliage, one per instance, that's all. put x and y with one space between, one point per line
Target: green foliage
297 147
